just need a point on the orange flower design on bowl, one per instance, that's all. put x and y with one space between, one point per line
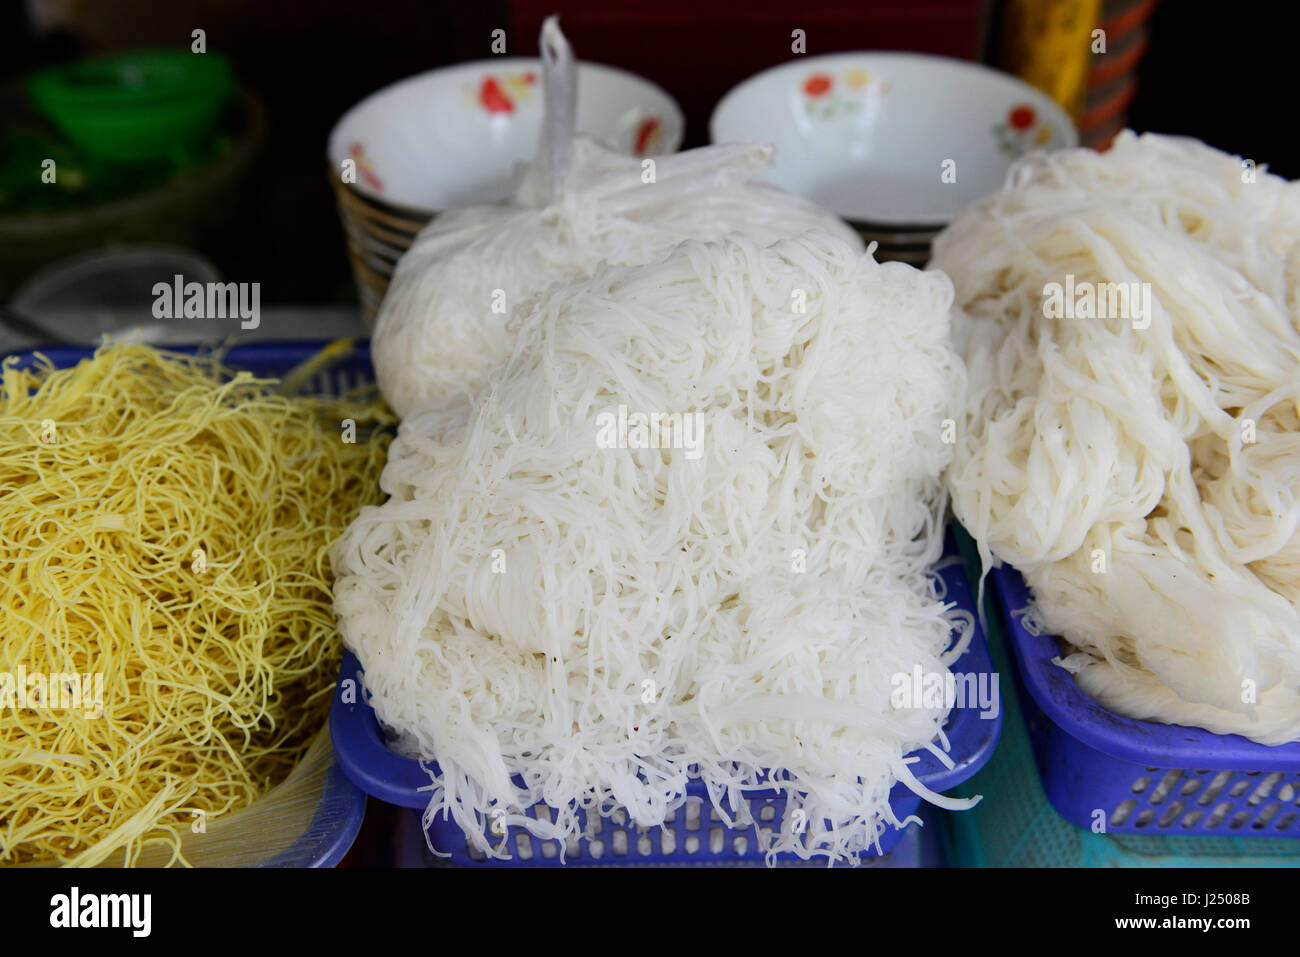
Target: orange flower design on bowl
365 168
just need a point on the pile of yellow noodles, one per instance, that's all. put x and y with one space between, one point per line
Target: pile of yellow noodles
166 523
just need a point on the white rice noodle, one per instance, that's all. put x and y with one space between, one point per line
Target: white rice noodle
1113 464
444 324
822 433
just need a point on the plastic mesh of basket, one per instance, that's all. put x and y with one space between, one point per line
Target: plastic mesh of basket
916 847
1016 826
1247 801
692 834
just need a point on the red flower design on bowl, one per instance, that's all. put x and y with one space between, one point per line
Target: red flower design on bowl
493 98
1021 117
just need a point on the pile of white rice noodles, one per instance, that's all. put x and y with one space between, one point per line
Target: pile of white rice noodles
445 321
558 621
1144 480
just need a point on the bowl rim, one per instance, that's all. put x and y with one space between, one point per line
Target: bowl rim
206 77
332 158
380 207
972 68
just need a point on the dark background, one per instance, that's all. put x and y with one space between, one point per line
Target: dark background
1221 72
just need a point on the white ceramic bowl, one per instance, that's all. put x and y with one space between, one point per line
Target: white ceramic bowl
868 134
454 136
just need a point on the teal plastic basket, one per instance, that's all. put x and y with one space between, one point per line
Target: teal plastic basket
1015 825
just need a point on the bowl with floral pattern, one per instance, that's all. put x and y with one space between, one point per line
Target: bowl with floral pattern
895 140
455 136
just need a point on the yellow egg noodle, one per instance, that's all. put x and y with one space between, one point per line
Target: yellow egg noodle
1131 325
164 531
547 600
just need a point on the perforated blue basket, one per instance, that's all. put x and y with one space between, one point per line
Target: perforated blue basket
918 847
264 359
695 834
1139 777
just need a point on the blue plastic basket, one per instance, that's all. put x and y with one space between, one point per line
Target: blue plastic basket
1016 826
263 359
341 809
695 833
1139 777
333 828
917 847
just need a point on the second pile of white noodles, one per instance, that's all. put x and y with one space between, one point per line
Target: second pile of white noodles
1142 471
